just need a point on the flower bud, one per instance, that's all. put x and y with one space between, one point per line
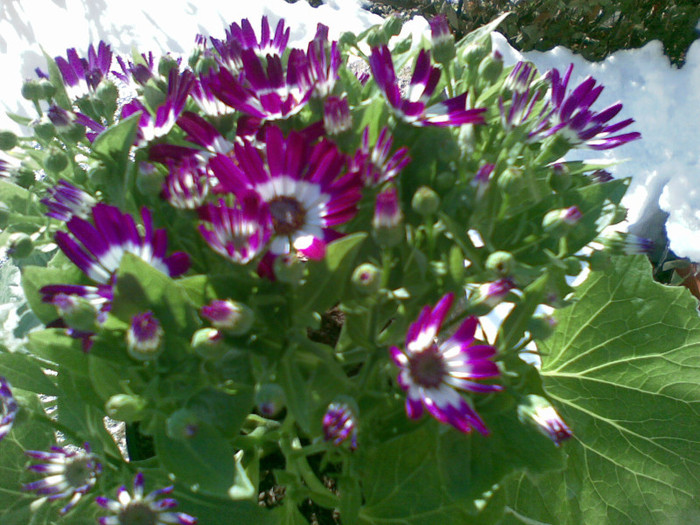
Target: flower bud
538 411
208 343
182 424
474 53
443 41
618 243
270 399
25 177
348 38
125 407
558 222
20 245
144 337
445 180
230 316
289 269
8 140
489 295
340 425
45 130
56 161
388 219
513 181
367 279
491 67
31 90
601 176
425 201
77 312
572 266
500 263
47 89
392 26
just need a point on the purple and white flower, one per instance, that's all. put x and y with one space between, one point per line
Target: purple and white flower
228 315
239 233
69 474
432 372
187 185
324 62
98 249
138 72
82 75
374 164
340 425
570 114
304 187
65 201
336 115
8 408
523 97
414 108
135 508
144 337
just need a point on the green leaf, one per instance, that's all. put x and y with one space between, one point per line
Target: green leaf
35 277
23 372
114 144
622 368
203 462
53 344
325 284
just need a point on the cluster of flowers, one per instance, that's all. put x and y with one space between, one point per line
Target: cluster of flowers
273 193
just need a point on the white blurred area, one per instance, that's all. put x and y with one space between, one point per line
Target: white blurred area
665 101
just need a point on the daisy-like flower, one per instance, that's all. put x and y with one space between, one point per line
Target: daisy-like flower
187 184
135 508
65 201
8 408
97 250
239 37
340 425
239 233
432 372
202 133
179 86
69 474
269 89
303 186
82 76
324 61
374 164
336 115
570 114
207 101
138 72
414 108
523 98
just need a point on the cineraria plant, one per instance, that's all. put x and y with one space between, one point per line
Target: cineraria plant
273 268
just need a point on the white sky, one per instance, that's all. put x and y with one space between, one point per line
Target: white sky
665 101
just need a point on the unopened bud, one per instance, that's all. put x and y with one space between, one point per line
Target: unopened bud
491 67
208 343
340 425
77 312
149 180
144 337
443 41
539 411
558 222
56 161
31 90
230 316
270 399
336 115
45 130
425 201
387 222
165 64
8 140
500 263
560 178
47 89
289 269
125 407
367 279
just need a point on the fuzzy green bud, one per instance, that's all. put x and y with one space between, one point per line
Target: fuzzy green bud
445 180
31 90
8 140
208 343
501 263
270 399
25 177
48 90
230 316
45 130
392 26
367 279
474 53
165 64
512 181
442 40
149 180
348 39
182 424
288 269
538 411
76 312
559 222
56 161
491 67
204 65
125 407
20 245
572 266
425 201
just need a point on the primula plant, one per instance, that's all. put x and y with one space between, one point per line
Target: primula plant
258 283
